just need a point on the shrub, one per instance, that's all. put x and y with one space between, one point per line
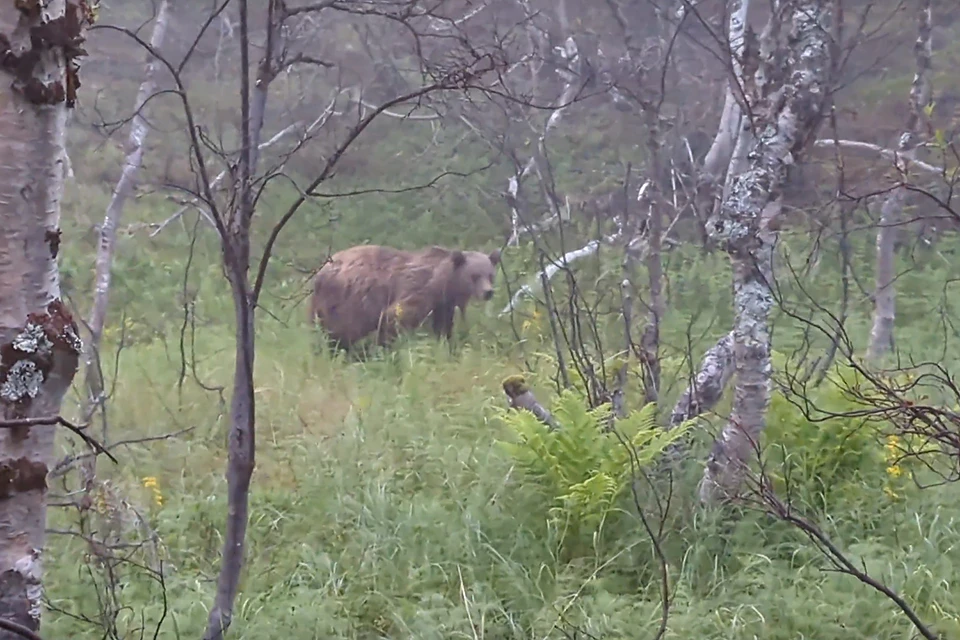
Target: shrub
583 467
822 446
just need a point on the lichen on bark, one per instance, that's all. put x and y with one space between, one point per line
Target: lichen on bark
40 43
787 95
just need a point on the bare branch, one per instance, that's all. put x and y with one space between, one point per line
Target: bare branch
889 154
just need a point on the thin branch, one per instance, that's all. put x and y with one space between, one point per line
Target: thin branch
60 421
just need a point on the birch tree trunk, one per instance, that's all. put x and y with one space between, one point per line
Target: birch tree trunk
571 54
884 310
718 156
650 340
707 385
789 99
39 344
108 229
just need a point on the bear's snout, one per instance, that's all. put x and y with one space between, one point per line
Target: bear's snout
488 294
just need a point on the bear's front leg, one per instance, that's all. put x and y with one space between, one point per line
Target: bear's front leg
442 320
387 326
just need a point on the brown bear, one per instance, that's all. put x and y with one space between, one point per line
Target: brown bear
373 288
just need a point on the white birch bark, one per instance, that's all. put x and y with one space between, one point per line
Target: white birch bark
884 310
889 154
39 345
703 392
549 271
111 220
794 87
720 152
572 55
726 156
708 385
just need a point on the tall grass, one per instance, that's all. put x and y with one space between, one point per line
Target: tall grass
382 507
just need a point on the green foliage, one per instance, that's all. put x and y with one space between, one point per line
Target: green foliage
386 503
826 444
383 505
583 467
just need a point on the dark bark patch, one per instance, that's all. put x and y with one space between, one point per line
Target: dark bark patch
22 68
52 236
64 32
37 92
15 603
60 327
21 475
26 360
29 8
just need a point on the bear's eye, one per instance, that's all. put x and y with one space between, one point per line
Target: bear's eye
476 277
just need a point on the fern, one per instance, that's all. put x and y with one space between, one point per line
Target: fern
583 468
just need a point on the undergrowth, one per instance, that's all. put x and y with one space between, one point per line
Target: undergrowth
386 505
395 498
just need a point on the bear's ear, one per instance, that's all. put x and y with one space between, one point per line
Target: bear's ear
495 257
458 259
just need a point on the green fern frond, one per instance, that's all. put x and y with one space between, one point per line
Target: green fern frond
583 467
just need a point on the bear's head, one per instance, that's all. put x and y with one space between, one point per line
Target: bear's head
475 271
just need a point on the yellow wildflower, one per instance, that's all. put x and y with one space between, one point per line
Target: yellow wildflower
150 482
100 504
890 493
893 445
532 322
894 470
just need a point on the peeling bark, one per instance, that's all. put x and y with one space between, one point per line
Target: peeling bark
39 345
884 310
791 89
114 213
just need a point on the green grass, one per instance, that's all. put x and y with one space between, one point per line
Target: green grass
382 505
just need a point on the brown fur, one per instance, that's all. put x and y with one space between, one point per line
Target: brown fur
376 289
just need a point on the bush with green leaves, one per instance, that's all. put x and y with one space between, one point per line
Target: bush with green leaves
584 467
824 445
